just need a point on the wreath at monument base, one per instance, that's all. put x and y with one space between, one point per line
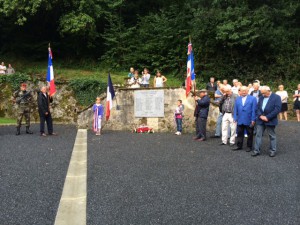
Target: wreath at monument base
143 129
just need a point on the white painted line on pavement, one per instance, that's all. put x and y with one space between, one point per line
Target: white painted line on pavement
72 206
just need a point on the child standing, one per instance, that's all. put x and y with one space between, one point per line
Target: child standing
178 117
98 114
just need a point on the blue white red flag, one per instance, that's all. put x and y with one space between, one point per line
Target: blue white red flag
109 97
190 69
50 74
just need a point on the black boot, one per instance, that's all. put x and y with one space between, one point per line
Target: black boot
18 131
28 131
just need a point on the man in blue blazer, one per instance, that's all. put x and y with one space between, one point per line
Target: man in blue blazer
244 115
269 106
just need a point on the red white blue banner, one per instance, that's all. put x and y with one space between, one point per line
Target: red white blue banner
109 97
50 74
190 69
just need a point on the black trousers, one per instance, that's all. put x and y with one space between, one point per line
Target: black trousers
201 127
48 120
240 135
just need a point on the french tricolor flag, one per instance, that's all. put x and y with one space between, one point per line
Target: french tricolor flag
190 69
109 97
50 74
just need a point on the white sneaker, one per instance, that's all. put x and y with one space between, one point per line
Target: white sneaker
246 135
179 133
176 132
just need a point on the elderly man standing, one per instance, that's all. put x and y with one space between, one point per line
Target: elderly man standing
235 87
44 101
256 92
228 102
218 97
245 116
269 106
203 102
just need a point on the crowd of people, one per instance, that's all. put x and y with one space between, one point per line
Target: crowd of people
135 81
245 112
6 70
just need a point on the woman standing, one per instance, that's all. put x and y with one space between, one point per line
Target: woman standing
296 97
284 99
159 80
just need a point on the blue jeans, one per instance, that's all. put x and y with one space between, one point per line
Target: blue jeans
260 129
179 124
219 125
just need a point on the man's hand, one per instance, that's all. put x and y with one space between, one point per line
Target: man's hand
264 118
46 113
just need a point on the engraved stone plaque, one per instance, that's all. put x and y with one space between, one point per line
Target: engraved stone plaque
149 103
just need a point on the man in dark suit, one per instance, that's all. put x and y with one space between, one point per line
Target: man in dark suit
245 115
203 102
44 101
211 86
269 106
256 92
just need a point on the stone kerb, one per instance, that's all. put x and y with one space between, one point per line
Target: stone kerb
122 115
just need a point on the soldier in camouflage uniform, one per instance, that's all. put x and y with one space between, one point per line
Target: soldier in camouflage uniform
23 98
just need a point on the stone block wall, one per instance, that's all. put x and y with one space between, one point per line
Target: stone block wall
122 115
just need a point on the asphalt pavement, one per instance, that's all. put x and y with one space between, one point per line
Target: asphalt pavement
155 178
168 179
32 174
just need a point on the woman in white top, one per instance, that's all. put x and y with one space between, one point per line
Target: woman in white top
159 80
2 68
284 99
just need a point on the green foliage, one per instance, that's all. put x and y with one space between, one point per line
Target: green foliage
14 79
231 39
86 90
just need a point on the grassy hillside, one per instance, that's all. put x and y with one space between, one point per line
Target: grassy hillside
64 71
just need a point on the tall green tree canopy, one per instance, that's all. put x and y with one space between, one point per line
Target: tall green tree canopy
231 38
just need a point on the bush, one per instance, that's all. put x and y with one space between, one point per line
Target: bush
15 79
87 89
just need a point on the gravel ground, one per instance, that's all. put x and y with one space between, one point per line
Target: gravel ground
166 179
32 174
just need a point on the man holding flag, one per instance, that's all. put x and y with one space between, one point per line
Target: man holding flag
45 98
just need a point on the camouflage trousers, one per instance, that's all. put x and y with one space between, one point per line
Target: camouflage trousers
26 113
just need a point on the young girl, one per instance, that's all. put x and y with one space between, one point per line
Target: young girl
159 80
135 81
98 114
145 78
178 117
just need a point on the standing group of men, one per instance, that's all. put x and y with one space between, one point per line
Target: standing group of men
23 99
243 114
